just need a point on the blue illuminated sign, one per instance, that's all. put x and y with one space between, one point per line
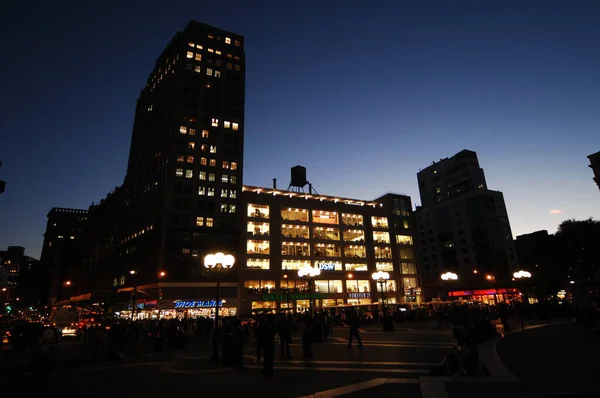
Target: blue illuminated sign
326 266
198 304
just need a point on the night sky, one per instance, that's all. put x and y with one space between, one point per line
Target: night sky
363 97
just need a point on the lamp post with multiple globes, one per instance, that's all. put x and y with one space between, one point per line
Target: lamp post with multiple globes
381 277
216 262
309 273
449 277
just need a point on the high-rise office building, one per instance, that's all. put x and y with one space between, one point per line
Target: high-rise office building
182 190
463 227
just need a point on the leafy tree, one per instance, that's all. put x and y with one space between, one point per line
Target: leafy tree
578 244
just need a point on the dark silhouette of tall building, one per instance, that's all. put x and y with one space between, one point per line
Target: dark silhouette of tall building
595 166
539 253
61 258
181 195
463 226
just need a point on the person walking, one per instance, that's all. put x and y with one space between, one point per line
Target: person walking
353 323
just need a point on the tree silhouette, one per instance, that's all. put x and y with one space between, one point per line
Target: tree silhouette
579 247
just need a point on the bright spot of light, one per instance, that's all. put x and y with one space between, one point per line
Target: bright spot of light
555 211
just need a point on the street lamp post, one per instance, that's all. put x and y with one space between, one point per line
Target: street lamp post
135 273
214 262
522 276
449 277
309 273
381 277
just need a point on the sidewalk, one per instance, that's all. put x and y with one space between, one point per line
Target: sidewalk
554 359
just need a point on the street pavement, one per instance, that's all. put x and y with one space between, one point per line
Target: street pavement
389 364
557 360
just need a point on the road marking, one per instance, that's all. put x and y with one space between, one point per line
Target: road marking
170 368
365 385
422 364
332 369
402 345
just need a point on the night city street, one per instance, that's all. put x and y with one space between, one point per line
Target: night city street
402 355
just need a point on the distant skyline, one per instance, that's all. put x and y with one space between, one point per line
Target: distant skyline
364 97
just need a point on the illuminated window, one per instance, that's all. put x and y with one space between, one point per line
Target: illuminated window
203 161
235 126
257 263
409 282
388 286
224 178
228 40
209 71
379 222
233 166
237 43
197 68
326 233
210 50
226 124
404 240
210 191
406 253
356 267
183 129
198 46
211 176
294 231
224 192
232 179
180 158
352 219
202 175
201 190
191 145
383 252
389 267
190 54
192 131
217 73
179 172
223 208
191 44
198 57
212 162
358 286
357 251
255 229
381 237
258 211
204 147
325 217
190 159
209 222
218 52
301 249
213 149
237 68
232 209
290 214
225 164
199 221
257 247
205 133
232 193
327 250
408 268
214 122
229 65
189 173
236 57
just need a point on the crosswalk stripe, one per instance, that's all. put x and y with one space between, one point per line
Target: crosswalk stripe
338 369
354 363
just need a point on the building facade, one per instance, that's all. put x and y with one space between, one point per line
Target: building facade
181 195
347 239
16 279
463 227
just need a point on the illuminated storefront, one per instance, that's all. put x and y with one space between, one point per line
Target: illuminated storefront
487 296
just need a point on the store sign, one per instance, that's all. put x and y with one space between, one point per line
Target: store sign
326 266
288 297
197 304
359 295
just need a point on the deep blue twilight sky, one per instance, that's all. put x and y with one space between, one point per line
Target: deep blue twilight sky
362 96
